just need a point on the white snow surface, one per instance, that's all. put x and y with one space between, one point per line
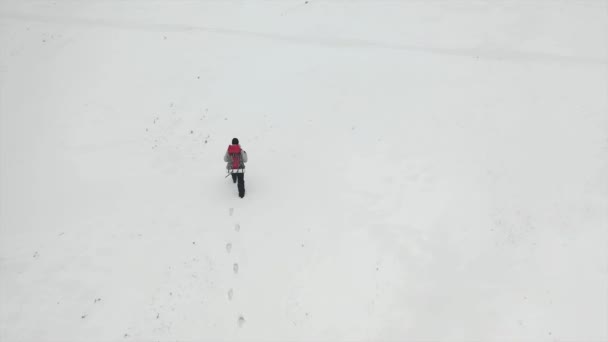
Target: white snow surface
418 170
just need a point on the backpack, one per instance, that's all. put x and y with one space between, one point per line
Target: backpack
235 156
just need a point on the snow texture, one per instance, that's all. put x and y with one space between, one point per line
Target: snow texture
419 170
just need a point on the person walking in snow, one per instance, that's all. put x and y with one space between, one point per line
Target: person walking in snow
236 158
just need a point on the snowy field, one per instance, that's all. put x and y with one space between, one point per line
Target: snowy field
418 170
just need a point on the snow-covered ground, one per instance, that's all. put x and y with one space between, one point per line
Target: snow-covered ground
419 170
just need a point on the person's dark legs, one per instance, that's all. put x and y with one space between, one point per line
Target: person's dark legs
234 177
241 185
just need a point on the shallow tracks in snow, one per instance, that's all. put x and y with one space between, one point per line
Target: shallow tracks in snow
235 268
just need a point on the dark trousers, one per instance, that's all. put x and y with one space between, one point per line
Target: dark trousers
239 178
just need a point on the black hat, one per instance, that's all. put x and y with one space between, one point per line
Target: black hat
235 141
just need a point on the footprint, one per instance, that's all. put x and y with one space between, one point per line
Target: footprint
228 247
241 321
230 293
237 227
235 268
230 211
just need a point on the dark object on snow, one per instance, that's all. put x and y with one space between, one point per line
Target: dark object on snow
236 158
